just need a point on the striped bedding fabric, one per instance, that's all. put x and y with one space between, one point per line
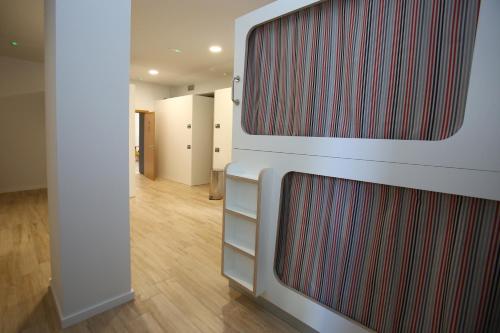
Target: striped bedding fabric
362 69
392 258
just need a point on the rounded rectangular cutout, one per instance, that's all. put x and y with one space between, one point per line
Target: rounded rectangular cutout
394 259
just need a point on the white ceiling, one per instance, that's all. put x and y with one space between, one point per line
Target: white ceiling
158 26
22 20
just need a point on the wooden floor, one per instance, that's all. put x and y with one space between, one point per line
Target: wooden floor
176 235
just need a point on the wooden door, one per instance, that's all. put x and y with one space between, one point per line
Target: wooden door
149 146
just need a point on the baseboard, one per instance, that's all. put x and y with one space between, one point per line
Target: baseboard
22 188
75 318
278 312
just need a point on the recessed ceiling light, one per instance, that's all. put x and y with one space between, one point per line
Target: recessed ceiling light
153 72
14 43
177 50
215 49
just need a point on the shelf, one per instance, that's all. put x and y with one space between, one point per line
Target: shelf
242 208
240 233
241 197
247 251
243 283
242 212
238 267
244 178
239 171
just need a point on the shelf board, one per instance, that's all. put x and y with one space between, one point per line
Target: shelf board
243 283
239 248
249 178
241 212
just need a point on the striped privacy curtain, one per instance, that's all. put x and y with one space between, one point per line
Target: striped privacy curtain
362 69
392 258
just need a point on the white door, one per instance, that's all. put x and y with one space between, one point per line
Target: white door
223 121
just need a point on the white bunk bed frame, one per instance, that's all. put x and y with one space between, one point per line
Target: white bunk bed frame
467 163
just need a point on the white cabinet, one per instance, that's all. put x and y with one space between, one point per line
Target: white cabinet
223 125
184 139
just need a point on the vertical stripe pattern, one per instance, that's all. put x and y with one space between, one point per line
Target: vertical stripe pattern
392 258
362 69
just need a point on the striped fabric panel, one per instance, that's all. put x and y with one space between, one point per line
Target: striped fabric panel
362 69
392 258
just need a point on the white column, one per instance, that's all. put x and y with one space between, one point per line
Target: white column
87 123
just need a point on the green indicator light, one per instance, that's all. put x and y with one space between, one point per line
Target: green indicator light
13 43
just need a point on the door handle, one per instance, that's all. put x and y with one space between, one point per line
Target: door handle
217 125
235 101
217 149
188 146
188 126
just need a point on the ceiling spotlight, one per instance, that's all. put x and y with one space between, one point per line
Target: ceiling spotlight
215 49
14 43
153 72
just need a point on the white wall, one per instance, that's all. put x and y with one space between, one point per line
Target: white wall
22 126
202 87
20 77
147 93
145 96
87 119
131 140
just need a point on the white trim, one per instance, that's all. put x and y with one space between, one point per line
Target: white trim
72 319
22 188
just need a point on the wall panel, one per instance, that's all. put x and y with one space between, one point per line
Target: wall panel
392 258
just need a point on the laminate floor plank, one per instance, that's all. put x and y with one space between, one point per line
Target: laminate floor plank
175 246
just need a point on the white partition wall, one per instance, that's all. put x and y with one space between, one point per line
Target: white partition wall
87 122
466 163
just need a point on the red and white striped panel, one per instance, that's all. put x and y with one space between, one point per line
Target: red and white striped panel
394 259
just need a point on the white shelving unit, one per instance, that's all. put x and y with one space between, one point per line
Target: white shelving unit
242 206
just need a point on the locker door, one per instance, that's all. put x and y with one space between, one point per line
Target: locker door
223 120
174 139
186 137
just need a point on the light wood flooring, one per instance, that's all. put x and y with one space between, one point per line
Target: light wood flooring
176 236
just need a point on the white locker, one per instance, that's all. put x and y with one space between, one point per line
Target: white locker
184 139
223 125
